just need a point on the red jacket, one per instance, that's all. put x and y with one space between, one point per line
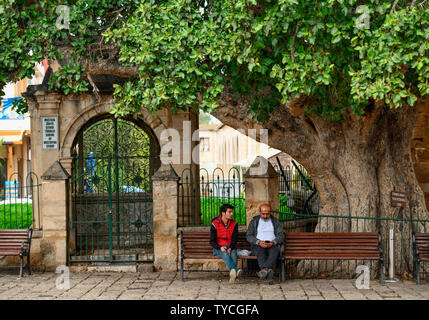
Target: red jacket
221 236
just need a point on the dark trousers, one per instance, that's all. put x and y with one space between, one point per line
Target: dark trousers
267 257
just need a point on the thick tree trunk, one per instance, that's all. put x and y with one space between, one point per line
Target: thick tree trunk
355 165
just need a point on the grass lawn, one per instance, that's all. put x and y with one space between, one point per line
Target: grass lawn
16 216
210 208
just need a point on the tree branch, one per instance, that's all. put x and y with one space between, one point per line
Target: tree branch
292 49
393 6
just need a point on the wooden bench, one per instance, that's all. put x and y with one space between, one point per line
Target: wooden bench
334 246
196 245
420 252
16 242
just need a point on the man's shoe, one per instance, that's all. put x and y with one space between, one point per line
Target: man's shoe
232 276
270 276
239 273
262 274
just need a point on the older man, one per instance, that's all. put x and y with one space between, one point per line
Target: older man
265 234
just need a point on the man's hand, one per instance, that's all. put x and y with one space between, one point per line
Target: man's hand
223 249
266 245
229 251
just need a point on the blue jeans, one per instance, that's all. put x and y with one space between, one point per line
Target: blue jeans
230 260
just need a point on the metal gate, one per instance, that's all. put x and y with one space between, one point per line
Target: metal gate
111 216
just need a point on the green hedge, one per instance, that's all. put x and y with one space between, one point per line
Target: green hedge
210 208
16 216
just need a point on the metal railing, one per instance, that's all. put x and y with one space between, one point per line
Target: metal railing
296 190
19 203
403 250
201 197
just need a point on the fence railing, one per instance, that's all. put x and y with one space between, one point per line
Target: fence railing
403 250
296 191
200 197
19 203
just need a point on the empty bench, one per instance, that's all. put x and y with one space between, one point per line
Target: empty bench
196 245
334 246
16 242
420 252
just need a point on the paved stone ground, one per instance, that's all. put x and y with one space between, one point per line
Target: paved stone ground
198 286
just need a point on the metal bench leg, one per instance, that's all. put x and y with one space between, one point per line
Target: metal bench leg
418 273
283 270
21 266
28 264
181 256
381 267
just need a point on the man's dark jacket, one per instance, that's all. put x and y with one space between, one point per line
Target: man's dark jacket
252 231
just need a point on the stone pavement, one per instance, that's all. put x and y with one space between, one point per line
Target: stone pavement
198 286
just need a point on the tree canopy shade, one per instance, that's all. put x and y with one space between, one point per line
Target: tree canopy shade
335 56
288 48
338 55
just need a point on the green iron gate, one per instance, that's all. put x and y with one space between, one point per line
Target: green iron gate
111 218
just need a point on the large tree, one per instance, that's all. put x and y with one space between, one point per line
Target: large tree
336 82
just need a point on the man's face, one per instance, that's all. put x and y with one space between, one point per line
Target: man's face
265 212
228 214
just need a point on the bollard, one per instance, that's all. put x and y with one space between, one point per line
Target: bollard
391 270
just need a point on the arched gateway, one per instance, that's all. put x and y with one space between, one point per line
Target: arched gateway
111 216
96 198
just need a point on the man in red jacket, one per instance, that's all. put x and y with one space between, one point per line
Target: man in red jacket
223 238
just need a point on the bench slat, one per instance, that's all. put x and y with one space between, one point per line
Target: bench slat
331 234
329 242
333 257
10 253
334 248
335 245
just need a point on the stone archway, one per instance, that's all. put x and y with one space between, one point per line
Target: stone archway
92 112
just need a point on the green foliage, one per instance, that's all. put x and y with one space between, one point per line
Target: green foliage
210 208
70 79
20 106
187 51
16 216
28 34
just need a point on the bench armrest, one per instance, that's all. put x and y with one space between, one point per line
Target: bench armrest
22 246
30 234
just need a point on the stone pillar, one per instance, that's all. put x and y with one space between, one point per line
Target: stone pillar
188 168
262 186
53 246
165 205
47 105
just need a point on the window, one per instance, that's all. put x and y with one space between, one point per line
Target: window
205 144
